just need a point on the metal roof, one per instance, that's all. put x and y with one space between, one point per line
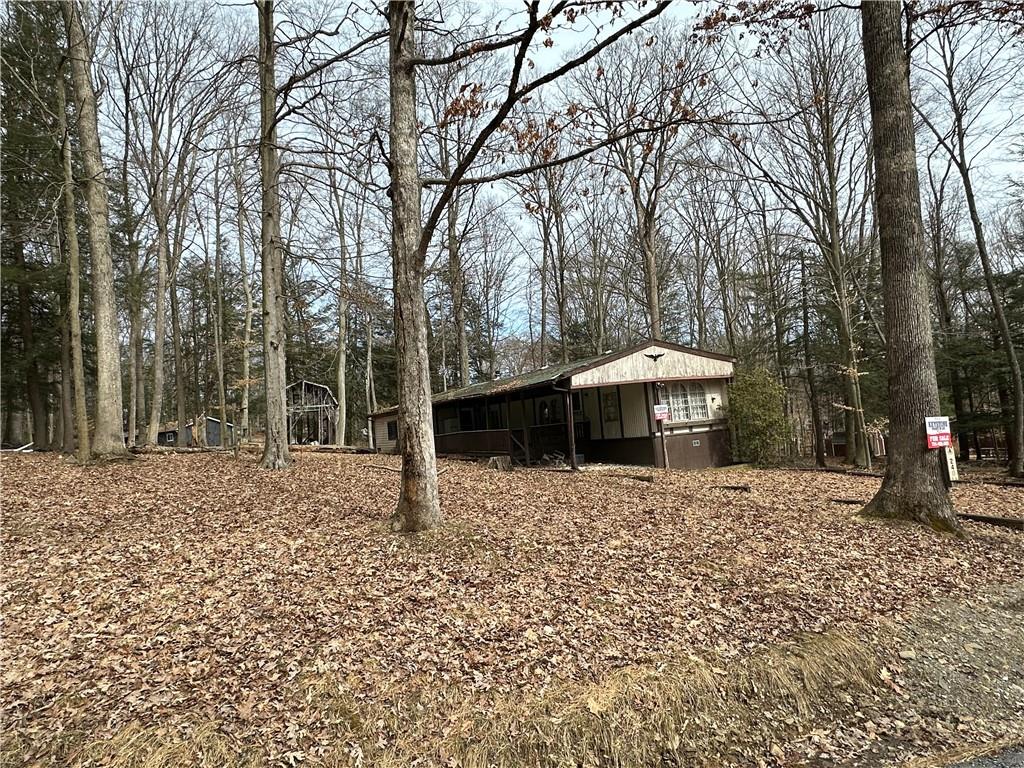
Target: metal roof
549 374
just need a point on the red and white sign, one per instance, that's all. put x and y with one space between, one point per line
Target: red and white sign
661 413
937 429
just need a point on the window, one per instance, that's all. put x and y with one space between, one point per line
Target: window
687 401
393 429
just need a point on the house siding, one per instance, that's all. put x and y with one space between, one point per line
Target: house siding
638 366
635 422
380 433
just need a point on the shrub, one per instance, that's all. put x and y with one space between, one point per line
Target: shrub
756 411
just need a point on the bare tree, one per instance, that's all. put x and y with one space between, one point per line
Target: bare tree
108 439
74 262
972 72
419 503
275 448
912 487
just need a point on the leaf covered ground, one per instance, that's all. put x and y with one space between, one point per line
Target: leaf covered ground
274 613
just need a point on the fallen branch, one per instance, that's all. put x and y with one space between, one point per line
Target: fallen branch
744 487
1013 523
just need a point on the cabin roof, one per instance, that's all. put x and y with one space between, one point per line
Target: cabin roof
549 374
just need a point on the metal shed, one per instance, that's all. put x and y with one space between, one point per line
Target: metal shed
168 434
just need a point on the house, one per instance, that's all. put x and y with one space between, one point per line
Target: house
600 409
312 414
168 434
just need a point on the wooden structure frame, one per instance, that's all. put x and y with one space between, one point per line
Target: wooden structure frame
597 409
312 414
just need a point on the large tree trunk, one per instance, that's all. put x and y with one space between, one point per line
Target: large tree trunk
275 447
419 506
913 487
74 278
108 439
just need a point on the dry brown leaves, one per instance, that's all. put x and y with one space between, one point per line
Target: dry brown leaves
183 590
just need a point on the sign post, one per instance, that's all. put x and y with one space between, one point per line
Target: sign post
952 473
661 415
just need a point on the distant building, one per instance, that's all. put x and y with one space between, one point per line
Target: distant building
168 434
602 407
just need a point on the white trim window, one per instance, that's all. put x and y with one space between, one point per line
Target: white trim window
688 402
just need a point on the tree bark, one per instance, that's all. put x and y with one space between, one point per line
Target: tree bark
338 201
243 265
108 439
33 383
67 397
275 447
74 278
912 488
218 286
812 381
419 506
181 406
159 330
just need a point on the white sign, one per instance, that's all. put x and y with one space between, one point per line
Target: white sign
951 471
661 413
937 430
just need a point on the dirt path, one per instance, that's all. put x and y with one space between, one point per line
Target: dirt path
955 690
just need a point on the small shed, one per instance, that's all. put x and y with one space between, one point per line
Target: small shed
312 414
604 409
168 434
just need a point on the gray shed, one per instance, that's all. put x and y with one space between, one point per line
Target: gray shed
168 434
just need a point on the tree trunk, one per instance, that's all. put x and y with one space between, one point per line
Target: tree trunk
181 406
650 272
339 212
74 279
812 382
458 279
108 439
159 330
275 447
913 487
33 383
419 506
66 441
218 324
243 425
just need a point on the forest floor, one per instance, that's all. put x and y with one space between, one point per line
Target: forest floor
192 609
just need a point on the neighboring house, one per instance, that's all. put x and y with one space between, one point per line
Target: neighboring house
603 405
168 434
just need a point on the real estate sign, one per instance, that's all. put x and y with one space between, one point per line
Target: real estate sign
937 430
661 413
